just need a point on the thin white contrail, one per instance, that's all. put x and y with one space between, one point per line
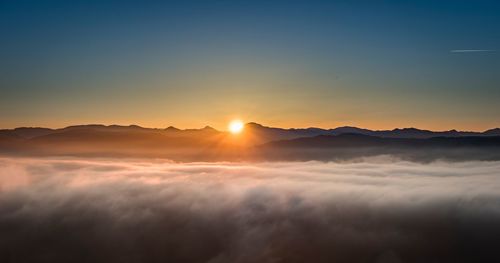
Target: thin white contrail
471 50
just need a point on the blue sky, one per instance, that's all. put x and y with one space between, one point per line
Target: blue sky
430 64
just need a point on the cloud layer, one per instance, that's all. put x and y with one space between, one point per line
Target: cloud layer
376 210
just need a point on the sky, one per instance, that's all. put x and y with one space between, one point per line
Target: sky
371 64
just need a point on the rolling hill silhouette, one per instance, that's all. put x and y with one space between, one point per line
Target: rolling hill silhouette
257 142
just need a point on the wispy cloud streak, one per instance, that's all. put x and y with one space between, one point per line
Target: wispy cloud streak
471 50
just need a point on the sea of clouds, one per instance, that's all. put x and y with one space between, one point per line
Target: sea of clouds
372 210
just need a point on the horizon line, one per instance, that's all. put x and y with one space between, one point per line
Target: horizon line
246 123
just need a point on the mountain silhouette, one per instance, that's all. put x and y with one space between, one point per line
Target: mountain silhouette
270 133
350 146
256 142
492 132
352 140
263 133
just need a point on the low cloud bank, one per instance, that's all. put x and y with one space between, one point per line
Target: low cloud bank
375 210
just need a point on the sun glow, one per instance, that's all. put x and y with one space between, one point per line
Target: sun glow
236 126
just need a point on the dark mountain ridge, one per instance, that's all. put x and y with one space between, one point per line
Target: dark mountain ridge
351 146
257 142
264 133
272 134
352 140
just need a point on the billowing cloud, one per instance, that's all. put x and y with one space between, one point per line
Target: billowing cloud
374 210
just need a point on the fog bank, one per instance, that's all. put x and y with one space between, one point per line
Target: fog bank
372 210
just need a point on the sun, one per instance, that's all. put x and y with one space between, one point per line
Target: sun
236 126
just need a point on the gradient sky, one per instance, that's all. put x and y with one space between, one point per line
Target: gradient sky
426 64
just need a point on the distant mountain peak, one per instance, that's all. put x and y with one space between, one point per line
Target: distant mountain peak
208 128
350 128
413 129
132 126
30 128
492 132
85 126
172 128
254 124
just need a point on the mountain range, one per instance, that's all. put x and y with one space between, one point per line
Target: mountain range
264 132
255 142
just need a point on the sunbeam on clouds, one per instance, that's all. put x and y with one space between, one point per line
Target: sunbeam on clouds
373 210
